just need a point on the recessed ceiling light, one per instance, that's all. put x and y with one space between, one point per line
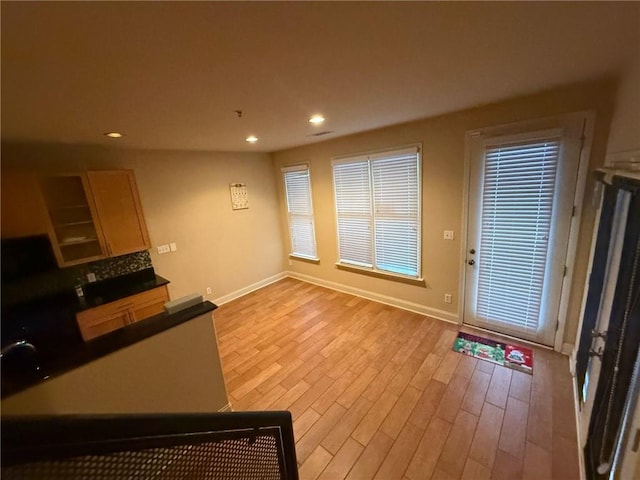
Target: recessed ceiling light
251 139
114 135
316 119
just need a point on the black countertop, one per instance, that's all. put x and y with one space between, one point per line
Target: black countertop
99 293
17 302
56 361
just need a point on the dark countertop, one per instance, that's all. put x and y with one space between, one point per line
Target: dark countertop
99 293
64 299
56 361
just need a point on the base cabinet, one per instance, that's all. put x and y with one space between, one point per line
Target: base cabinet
114 315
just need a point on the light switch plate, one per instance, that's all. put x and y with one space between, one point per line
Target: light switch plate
91 277
163 249
173 247
448 234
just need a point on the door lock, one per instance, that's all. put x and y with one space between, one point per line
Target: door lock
472 251
471 262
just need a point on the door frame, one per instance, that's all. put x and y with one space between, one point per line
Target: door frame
588 118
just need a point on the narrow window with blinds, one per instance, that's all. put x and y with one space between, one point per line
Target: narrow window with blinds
378 211
517 206
297 184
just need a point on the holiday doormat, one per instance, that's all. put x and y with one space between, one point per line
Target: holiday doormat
512 356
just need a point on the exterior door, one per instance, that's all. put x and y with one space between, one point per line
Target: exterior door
521 193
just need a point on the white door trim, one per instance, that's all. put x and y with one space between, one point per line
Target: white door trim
588 118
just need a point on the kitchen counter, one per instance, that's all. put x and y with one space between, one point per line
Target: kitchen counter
165 364
58 359
99 293
65 298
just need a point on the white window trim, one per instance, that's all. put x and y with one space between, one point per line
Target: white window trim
292 254
513 128
373 271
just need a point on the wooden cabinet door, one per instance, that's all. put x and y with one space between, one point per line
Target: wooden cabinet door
119 211
73 228
114 315
23 210
101 320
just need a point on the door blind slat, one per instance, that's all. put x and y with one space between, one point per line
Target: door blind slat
517 208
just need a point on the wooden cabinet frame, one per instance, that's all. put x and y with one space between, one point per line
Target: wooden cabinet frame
111 316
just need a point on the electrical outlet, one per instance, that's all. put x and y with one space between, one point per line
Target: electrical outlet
173 247
208 290
163 249
91 277
448 234
448 298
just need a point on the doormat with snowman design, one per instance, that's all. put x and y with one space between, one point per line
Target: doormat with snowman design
512 356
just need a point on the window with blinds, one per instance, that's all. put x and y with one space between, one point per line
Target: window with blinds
378 211
297 184
517 206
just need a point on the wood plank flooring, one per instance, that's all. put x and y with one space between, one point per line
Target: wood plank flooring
377 392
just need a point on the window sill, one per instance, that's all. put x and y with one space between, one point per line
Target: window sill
419 282
315 261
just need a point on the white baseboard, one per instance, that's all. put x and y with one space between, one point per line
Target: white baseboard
226 408
567 349
243 291
376 297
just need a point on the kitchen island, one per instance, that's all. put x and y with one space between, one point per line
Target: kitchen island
167 364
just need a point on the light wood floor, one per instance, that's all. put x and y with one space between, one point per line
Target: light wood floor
377 392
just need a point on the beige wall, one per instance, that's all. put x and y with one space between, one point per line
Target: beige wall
625 124
185 198
175 371
443 167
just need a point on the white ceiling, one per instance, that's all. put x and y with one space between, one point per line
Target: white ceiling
170 74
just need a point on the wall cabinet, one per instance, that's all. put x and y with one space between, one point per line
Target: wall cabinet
94 215
119 211
114 315
23 210
75 234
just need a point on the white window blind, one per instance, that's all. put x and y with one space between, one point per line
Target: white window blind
517 207
297 185
378 211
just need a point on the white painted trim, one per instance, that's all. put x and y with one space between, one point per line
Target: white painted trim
576 411
376 297
226 408
510 337
583 167
464 246
572 363
251 288
574 230
567 349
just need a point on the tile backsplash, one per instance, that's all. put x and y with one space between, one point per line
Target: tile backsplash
59 280
110 267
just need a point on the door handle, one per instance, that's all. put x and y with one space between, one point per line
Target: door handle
471 262
472 251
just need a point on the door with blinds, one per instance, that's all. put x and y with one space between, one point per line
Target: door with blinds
521 197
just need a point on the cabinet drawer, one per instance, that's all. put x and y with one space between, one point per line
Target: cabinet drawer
149 303
111 316
92 326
